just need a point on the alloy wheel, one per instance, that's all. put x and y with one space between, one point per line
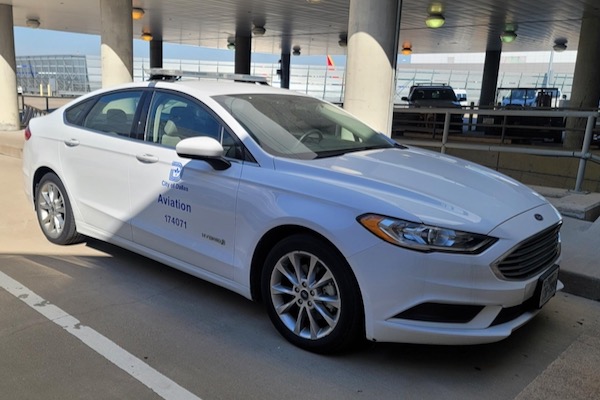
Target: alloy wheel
305 295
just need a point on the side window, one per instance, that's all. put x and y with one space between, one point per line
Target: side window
73 115
232 147
113 113
172 118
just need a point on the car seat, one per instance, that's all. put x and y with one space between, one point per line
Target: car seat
170 137
116 121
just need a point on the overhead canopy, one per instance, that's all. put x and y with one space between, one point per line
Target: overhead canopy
317 27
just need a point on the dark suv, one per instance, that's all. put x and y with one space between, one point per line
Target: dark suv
431 96
434 96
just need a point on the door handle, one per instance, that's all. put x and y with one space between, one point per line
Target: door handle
72 142
146 158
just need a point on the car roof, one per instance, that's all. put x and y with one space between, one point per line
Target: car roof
198 88
222 87
431 84
431 87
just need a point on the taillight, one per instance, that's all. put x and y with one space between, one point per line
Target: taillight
27 133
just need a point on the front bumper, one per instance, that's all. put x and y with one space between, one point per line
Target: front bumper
475 305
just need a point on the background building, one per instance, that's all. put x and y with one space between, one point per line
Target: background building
73 75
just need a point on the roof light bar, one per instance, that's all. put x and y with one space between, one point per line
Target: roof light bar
160 74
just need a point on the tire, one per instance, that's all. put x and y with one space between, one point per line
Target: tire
54 212
316 308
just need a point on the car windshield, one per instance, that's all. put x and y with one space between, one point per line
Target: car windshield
301 127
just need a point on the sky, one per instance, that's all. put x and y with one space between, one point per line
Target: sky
36 42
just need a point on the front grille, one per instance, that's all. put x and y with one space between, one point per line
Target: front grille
531 256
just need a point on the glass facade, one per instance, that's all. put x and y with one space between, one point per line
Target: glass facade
64 75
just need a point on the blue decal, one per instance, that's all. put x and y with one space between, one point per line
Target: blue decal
176 170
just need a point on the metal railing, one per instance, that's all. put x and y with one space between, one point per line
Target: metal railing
29 112
31 106
442 117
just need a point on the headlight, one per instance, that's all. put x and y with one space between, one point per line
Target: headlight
424 237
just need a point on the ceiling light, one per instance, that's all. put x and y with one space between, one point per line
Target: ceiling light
137 13
558 47
406 49
258 30
313 1
146 36
508 36
296 50
33 23
231 42
435 20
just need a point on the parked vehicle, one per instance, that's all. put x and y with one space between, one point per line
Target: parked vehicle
529 97
433 96
343 233
461 97
528 127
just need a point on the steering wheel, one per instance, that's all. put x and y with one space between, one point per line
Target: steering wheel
318 136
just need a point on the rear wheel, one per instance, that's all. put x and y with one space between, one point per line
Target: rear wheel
311 295
54 212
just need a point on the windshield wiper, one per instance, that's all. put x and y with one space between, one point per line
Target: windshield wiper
341 152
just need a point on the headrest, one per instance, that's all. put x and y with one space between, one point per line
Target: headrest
116 114
170 128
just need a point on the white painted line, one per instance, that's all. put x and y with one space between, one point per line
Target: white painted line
154 380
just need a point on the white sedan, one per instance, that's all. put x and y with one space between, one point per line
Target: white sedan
343 233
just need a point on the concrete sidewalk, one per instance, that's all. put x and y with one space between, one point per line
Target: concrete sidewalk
580 266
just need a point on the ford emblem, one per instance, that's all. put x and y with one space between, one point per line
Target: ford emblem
539 217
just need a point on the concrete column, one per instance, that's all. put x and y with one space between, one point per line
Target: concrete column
373 29
243 50
489 80
586 79
9 109
116 50
285 70
156 53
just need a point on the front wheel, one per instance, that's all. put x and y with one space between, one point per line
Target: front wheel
312 296
54 212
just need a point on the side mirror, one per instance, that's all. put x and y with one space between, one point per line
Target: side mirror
404 98
205 149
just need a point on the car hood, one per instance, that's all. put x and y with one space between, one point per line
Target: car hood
419 185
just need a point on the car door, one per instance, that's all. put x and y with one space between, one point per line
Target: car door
184 208
95 160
